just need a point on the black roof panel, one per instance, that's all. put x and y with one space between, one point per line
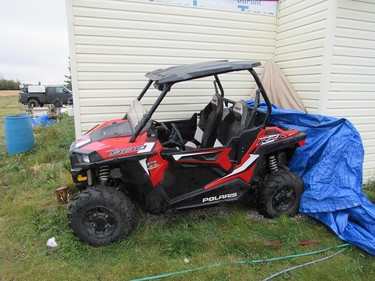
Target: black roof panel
198 70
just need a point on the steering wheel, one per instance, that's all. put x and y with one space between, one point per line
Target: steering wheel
175 138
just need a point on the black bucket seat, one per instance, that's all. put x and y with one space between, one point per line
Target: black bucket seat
209 121
236 121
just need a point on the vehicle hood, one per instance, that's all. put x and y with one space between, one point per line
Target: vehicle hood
110 129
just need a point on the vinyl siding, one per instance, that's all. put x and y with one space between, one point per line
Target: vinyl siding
352 78
300 42
327 50
114 43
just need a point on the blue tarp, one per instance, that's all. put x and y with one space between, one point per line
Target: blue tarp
330 165
41 120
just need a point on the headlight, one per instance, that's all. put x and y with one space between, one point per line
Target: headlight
85 158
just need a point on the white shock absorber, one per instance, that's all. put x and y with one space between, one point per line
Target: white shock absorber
272 162
104 174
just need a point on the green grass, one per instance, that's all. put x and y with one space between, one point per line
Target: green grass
29 215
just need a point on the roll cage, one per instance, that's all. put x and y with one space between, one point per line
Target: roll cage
164 79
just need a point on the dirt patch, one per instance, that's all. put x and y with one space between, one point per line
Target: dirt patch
253 214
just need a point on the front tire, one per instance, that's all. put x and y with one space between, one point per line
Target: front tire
279 194
101 215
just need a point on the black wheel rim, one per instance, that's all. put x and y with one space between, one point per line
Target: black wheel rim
284 199
100 222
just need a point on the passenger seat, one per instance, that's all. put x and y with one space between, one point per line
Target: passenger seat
234 123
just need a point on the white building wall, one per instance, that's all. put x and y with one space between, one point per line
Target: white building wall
114 43
352 77
300 41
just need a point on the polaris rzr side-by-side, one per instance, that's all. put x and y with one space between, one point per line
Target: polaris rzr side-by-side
221 154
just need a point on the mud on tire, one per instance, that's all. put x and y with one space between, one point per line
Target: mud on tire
279 194
101 215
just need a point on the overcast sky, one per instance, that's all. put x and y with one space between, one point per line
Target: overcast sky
34 41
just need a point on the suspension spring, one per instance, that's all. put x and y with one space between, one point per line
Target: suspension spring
104 173
272 162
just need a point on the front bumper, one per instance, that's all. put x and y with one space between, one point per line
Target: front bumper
81 177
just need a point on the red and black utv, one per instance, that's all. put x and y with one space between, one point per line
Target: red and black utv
220 154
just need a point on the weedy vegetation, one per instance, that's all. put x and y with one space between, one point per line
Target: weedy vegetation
30 215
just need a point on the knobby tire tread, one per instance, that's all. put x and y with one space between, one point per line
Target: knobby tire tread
110 198
271 183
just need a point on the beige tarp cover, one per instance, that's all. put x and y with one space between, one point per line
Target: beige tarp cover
279 90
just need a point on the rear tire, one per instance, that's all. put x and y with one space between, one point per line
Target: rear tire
101 215
57 103
33 103
279 194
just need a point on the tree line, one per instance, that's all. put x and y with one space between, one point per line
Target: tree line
9 84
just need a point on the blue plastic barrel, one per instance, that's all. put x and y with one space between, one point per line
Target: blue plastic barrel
18 133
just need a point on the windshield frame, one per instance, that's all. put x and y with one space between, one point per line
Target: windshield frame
148 115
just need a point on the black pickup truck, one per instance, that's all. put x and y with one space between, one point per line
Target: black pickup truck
40 95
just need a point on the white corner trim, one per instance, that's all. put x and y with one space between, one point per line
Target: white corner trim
73 67
332 6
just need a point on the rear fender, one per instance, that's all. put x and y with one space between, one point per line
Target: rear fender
290 142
